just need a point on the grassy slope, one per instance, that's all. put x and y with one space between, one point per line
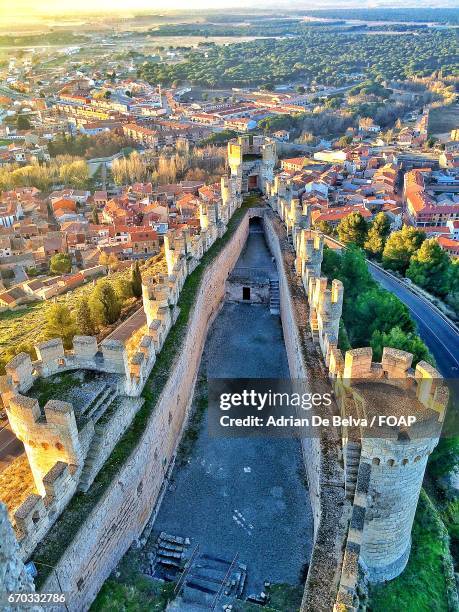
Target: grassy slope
27 325
132 591
423 580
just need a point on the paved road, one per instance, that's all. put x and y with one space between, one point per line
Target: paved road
10 447
129 327
440 336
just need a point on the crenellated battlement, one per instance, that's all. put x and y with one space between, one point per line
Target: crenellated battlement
384 470
48 436
110 357
309 249
252 159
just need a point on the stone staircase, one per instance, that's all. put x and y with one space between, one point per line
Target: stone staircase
101 402
274 297
100 405
353 450
212 577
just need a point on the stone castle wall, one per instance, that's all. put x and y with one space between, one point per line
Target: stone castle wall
13 576
321 454
122 513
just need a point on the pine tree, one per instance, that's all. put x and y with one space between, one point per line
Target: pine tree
60 263
376 309
377 235
399 339
136 280
430 268
83 319
104 303
353 228
59 323
324 227
400 246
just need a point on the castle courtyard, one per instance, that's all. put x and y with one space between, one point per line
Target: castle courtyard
244 496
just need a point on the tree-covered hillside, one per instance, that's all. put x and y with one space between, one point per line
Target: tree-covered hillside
329 56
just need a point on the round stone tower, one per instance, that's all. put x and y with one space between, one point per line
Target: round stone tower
397 472
386 457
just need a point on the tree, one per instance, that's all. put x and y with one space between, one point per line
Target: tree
404 341
331 263
453 297
301 89
75 174
23 123
136 280
377 235
95 216
60 263
324 227
113 262
103 259
353 228
104 303
400 246
380 310
83 319
356 280
430 268
354 272
59 323
344 141
388 136
123 289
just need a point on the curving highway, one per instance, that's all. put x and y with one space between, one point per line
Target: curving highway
439 334
436 330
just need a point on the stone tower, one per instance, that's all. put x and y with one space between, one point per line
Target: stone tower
252 159
393 460
155 298
48 438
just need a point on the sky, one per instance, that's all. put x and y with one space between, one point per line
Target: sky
10 8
